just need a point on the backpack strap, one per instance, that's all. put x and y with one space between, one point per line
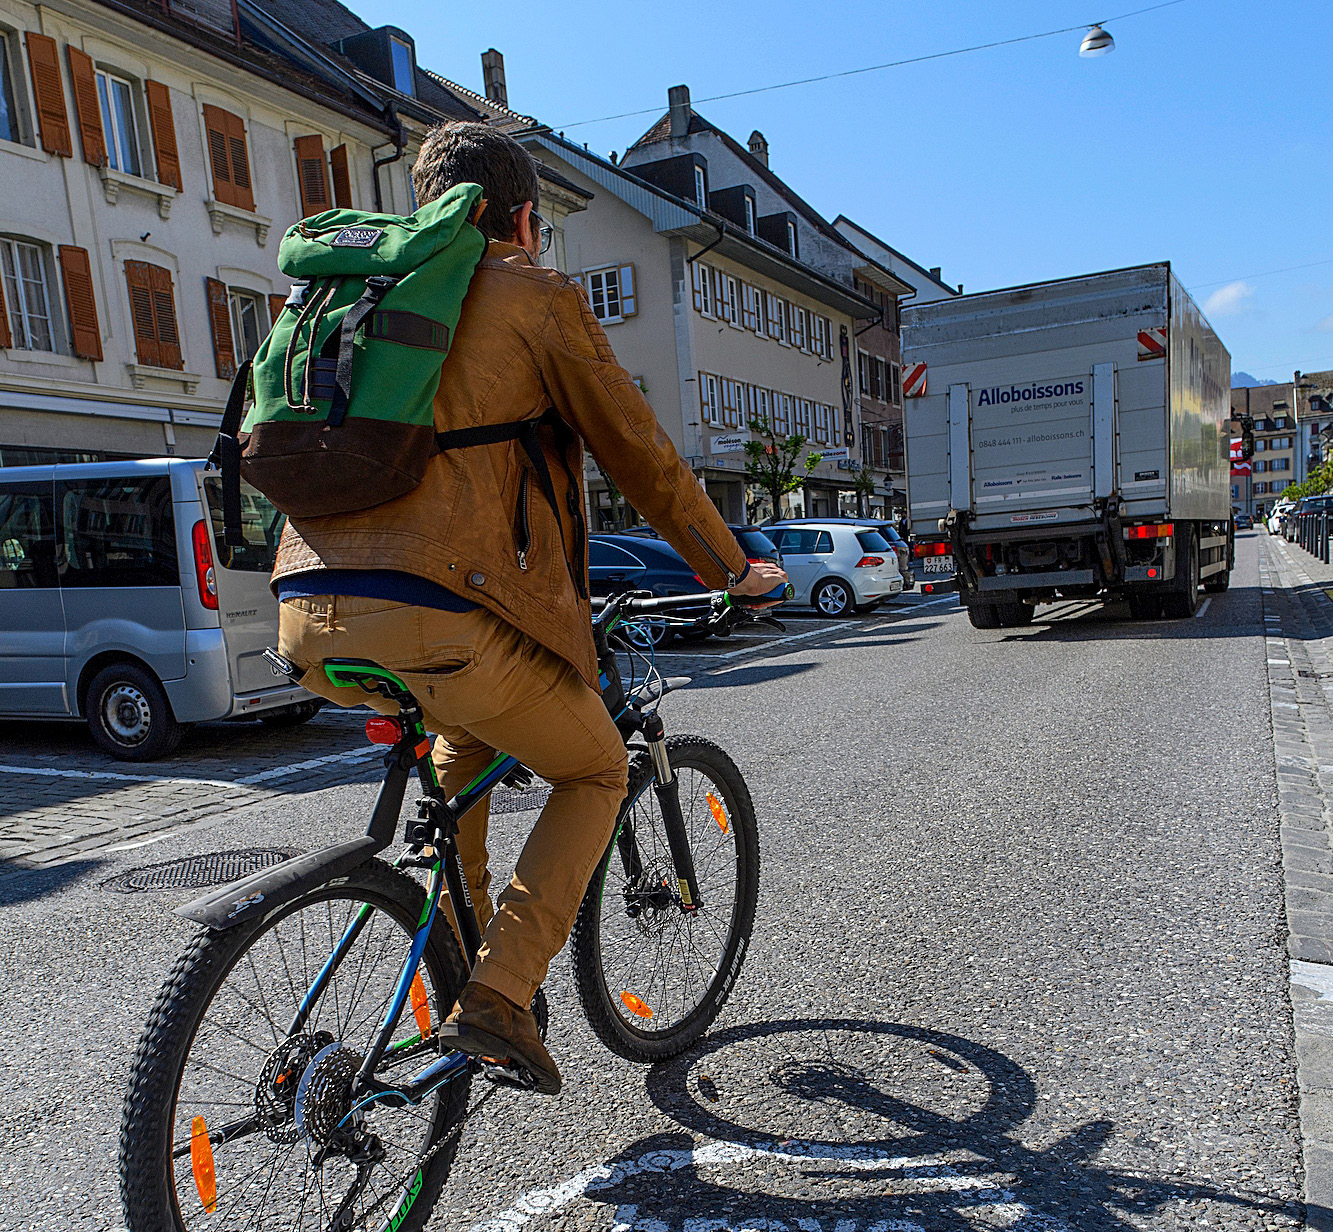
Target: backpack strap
524 431
377 286
226 456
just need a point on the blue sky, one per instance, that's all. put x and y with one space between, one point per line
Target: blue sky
1202 139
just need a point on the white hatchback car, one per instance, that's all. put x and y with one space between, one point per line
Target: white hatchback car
837 568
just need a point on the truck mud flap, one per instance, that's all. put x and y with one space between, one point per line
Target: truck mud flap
254 896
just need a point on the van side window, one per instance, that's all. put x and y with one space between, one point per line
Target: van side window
261 528
27 537
117 532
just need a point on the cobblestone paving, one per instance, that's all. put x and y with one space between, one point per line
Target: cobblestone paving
62 798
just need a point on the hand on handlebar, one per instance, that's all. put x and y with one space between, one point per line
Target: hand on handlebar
762 577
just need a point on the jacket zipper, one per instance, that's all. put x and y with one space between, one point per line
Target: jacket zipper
522 532
732 579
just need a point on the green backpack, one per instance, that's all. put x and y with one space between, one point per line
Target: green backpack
344 385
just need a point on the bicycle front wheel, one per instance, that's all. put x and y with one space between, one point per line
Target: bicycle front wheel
651 975
233 1120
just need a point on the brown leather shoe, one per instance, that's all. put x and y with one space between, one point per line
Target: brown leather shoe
485 1024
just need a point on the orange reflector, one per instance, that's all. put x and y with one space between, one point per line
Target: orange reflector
422 749
420 1005
201 1161
636 1005
719 813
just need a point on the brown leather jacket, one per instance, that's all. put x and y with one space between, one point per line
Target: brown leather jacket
527 341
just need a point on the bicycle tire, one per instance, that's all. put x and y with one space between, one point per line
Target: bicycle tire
606 1011
149 1188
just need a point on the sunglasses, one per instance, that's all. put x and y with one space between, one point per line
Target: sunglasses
545 232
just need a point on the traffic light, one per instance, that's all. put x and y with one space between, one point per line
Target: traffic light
1247 436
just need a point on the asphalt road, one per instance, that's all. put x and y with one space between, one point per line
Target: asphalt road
1018 960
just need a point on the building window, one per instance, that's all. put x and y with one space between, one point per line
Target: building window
821 423
1280 464
731 309
749 215
9 110
798 334
759 405
896 377
823 332
1235 491
247 323
791 239
404 79
863 372
708 399
229 158
782 414
878 387
732 403
777 318
802 417
157 341
604 294
750 306
120 127
27 295
700 187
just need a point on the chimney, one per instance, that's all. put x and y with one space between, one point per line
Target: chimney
493 75
679 99
759 146
935 272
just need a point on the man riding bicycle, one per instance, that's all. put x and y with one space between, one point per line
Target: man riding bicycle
473 588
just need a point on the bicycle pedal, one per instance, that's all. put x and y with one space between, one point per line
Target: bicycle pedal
506 1074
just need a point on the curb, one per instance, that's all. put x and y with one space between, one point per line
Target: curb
1300 684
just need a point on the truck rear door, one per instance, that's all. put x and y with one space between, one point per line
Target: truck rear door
246 607
1031 444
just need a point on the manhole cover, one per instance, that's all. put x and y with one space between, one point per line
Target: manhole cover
195 872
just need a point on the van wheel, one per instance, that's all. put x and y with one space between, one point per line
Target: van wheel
129 715
291 716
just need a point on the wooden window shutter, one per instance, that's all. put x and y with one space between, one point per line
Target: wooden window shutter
49 93
342 177
311 179
164 314
698 294
275 306
6 337
628 301
83 79
85 333
141 313
240 162
219 158
219 319
163 125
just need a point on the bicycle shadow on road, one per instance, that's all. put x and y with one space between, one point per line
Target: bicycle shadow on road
900 1127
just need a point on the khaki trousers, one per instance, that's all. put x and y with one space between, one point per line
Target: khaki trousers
486 687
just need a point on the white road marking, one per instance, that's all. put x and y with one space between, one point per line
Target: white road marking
143 842
1203 607
927 1175
277 772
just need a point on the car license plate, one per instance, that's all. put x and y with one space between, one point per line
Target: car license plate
939 564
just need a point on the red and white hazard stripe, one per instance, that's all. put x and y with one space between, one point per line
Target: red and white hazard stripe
914 381
1152 342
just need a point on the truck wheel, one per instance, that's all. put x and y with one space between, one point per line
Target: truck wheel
1182 600
1219 582
1145 606
1015 615
984 615
129 715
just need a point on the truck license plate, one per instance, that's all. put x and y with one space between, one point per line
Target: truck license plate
939 564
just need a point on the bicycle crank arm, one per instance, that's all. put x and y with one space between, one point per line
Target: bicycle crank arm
667 790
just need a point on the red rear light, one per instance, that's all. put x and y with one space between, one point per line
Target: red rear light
1152 530
928 587
204 575
942 548
870 562
380 730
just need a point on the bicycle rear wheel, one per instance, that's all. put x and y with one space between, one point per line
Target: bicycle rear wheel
651 976
231 1122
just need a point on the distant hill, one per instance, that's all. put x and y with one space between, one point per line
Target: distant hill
1239 380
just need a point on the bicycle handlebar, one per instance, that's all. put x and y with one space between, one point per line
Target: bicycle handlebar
632 604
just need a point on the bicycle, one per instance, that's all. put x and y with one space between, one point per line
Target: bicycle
279 1081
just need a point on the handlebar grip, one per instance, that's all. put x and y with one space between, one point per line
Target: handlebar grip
779 594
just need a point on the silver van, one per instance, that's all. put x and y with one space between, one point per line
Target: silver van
121 604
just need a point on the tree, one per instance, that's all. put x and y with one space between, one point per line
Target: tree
864 487
770 463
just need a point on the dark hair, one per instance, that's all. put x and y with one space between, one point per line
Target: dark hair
463 152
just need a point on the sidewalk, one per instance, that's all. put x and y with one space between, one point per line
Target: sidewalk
1298 617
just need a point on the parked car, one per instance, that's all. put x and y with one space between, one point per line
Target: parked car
901 549
121 605
754 541
1243 521
623 562
1278 518
837 567
1307 504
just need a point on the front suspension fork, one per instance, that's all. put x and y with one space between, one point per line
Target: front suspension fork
667 789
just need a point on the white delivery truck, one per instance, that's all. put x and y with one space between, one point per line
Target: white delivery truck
1071 443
